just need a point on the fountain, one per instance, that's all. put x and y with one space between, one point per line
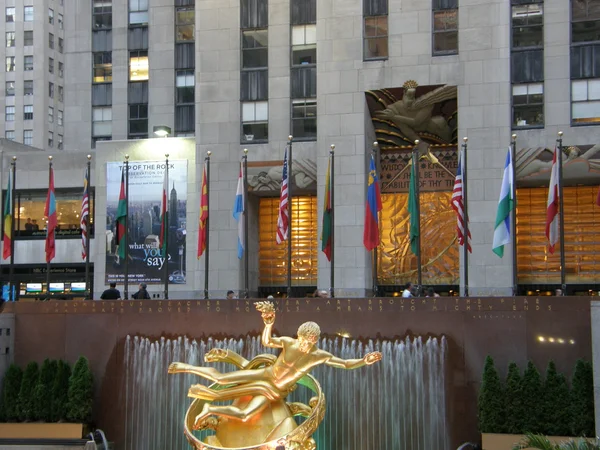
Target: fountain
400 405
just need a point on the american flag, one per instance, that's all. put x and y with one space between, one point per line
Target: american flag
283 219
85 215
457 204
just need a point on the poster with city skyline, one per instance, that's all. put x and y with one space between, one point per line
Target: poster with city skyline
146 259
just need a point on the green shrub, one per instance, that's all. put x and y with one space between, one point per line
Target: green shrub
10 393
42 395
25 403
492 418
60 391
556 403
532 395
515 412
81 391
582 400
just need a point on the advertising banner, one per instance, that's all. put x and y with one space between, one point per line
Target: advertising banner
146 258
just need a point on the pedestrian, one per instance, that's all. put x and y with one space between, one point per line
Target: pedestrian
408 290
142 293
431 292
112 293
230 295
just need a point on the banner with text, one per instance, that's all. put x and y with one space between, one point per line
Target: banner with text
146 259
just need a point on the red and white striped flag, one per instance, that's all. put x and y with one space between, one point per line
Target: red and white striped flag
552 205
458 204
85 215
283 220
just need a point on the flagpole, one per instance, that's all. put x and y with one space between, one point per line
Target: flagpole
561 213
88 289
206 255
11 272
466 218
375 152
415 161
48 231
126 275
332 224
166 236
246 240
289 246
513 217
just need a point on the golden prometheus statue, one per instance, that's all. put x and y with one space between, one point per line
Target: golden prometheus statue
259 418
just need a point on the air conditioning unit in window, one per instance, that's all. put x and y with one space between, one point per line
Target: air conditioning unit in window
249 137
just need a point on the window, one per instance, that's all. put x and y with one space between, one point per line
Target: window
527 26
375 33
28 62
28 87
255 122
10 39
304 45
585 101
184 84
138 66
445 27
304 119
51 65
28 38
101 121
50 40
528 105
60 22
60 142
61 69
61 94
50 16
28 14
102 94
50 139
304 12
28 137
59 118
9 113
50 114
51 90
102 14
138 12
61 46
102 67
254 13
28 112
254 49
10 135
184 119
138 121
185 55
184 24
10 14
10 63
9 90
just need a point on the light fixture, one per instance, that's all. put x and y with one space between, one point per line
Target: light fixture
162 130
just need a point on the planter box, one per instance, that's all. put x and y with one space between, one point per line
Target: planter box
41 430
507 441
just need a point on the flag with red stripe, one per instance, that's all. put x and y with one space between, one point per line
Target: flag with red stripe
458 204
85 215
552 205
283 220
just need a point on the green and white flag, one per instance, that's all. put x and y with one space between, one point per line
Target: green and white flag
506 205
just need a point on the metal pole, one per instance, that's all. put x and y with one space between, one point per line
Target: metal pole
48 231
289 247
126 275
246 240
206 256
415 161
375 153
11 283
166 236
561 216
332 223
88 289
513 225
466 217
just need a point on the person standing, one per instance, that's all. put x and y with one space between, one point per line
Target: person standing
408 290
230 295
142 293
112 293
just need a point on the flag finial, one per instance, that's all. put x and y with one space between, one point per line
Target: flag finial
560 134
50 158
514 137
332 146
14 158
246 151
465 139
89 157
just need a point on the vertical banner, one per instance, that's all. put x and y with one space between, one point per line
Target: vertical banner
146 258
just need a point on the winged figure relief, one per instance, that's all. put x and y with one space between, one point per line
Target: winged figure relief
413 115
